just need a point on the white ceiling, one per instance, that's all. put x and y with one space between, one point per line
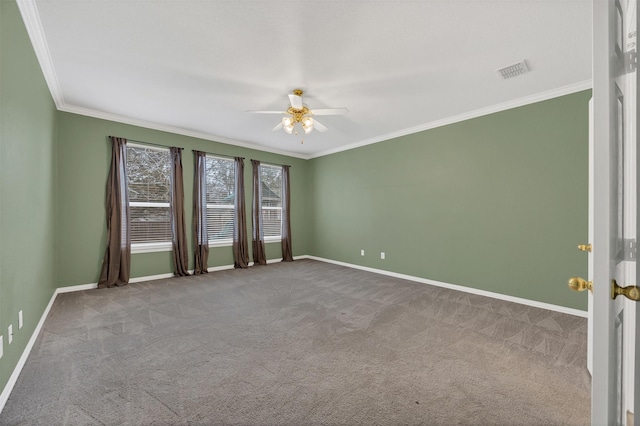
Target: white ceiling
194 67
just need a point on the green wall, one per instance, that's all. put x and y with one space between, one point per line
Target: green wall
497 203
27 187
84 153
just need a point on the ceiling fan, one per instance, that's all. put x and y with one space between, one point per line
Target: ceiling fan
300 114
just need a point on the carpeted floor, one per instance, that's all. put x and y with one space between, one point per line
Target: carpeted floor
302 343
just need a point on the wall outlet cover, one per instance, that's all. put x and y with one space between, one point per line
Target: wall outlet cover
361 252
10 333
20 322
1 348
382 255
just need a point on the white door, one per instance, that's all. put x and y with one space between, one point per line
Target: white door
615 216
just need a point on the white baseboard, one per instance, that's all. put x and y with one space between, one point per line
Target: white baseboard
92 286
269 261
73 288
218 268
4 396
152 277
471 290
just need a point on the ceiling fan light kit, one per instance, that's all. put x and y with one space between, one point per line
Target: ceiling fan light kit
299 114
307 124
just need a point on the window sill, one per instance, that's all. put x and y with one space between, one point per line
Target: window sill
225 243
159 247
150 247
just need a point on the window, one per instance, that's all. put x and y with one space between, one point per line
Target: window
149 186
220 190
271 184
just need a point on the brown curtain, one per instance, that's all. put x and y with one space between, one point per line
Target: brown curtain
117 256
259 257
200 236
287 253
240 246
178 230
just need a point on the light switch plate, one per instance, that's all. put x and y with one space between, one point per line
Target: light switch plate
1 348
20 323
382 255
361 252
10 334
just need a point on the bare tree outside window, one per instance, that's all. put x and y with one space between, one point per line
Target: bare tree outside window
149 183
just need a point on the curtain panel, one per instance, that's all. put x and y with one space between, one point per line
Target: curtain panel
116 264
257 241
287 253
178 230
240 246
200 236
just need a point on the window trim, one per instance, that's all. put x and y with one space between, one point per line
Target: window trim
148 204
137 248
145 146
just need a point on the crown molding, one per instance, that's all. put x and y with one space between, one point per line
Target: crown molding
31 18
527 100
175 130
538 97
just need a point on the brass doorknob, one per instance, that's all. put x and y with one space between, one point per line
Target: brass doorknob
580 284
584 247
630 292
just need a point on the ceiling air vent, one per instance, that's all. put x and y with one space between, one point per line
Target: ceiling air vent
513 70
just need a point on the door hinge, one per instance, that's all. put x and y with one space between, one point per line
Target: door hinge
630 249
630 60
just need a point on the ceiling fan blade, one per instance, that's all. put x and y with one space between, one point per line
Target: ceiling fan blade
319 126
296 101
278 127
266 112
330 111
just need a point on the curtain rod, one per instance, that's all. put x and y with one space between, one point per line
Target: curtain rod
193 150
271 164
145 143
217 155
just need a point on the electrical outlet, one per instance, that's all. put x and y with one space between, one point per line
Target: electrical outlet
20 322
10 333
361 252
382 255
1 349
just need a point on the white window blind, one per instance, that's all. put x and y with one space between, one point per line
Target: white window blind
220 184
271 182
149 186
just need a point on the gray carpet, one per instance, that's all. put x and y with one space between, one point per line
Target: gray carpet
302 343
